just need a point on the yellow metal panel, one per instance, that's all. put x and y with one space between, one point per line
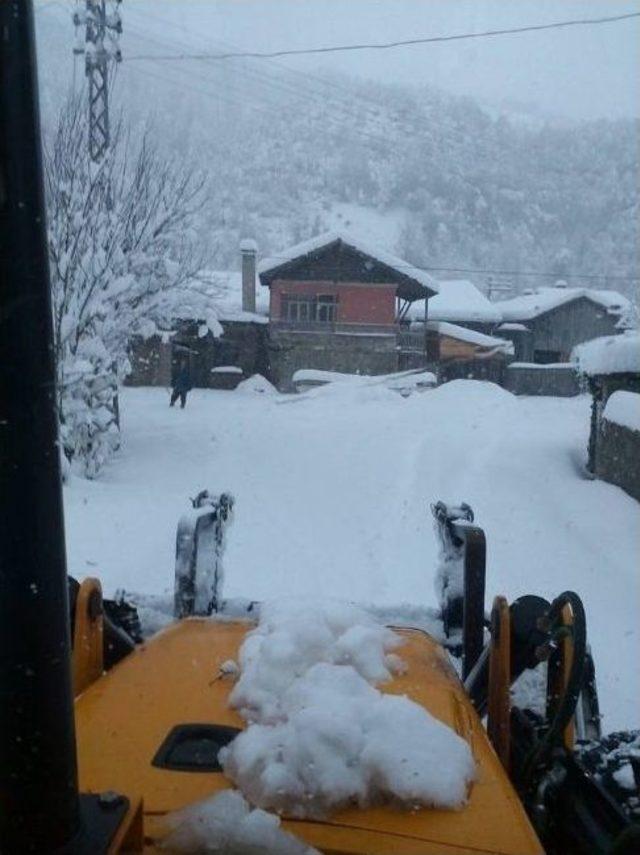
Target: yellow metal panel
123 718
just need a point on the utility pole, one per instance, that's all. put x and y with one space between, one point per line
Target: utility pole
103 25
498 286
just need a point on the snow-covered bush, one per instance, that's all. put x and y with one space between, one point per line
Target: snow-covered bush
121 250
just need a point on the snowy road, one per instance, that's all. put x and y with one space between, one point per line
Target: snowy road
333 491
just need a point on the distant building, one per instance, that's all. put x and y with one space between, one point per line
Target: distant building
338 304
547 324
335 303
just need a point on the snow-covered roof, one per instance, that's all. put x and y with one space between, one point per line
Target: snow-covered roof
224 287
460 300
610 354
514 327
528 306
623 408
470 336
398 265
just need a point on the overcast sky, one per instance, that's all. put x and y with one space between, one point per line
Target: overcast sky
578 72
581 72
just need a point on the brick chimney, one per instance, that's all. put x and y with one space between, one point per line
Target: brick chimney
248 251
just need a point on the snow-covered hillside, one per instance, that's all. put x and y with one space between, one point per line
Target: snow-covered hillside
290 154
333 491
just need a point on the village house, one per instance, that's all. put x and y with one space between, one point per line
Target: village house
335 303
545 325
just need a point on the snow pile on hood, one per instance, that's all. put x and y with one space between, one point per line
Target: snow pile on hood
321 736
226 824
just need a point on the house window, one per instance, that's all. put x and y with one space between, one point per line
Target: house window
546 357
309 309
326 308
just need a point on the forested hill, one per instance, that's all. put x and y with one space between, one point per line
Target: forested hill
285 152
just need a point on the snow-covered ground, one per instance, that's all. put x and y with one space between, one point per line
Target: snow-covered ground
332 498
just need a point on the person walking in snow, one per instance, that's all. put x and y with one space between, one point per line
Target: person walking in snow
182 385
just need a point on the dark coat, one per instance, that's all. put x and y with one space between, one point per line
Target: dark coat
183 380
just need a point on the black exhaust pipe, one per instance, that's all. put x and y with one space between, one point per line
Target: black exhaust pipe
39 803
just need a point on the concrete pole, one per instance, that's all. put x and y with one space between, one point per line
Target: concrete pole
248 250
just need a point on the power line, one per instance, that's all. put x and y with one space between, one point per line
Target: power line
335 117
579 22
541 274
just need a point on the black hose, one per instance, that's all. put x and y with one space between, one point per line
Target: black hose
567 705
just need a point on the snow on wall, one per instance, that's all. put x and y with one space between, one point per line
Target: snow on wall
612 354
623 408
320 734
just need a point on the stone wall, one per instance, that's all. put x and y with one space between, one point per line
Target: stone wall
528 379
601 387
243 345
150 362
345 353
617 457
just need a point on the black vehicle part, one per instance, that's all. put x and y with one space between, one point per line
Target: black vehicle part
199 548
527 639
588 718
462 576
118 618
194 747
40 808
560 708
615 761
124 616
572 811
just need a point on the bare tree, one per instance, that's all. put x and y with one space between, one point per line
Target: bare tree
122 246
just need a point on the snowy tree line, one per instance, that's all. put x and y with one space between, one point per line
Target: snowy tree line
478 191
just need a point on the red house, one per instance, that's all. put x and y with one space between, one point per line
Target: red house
337 304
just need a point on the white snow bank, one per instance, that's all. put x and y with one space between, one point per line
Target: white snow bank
316 375
320 735
226 824
404 382
611 354
226 369
567 366
623 408
256 384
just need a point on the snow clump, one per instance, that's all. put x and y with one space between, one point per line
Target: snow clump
257 384
226 824
320 735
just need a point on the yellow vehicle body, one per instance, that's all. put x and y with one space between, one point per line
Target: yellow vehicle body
123 717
